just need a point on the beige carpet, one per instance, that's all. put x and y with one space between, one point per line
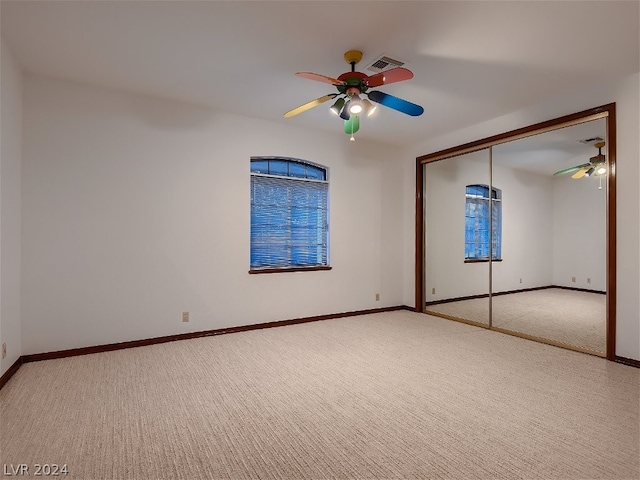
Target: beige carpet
396 395
567 316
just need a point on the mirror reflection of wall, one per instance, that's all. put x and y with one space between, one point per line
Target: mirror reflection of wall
548 274
448 207
555 239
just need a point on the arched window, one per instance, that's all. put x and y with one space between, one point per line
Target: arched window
482 210
289 214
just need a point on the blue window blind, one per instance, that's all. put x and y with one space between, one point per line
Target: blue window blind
481 241
289 214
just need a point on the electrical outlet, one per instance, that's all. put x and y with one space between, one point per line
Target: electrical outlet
588 280
520 279
573 279
377 297
185 316
4 350
433 291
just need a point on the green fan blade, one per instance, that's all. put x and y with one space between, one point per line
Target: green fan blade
571 169
352 125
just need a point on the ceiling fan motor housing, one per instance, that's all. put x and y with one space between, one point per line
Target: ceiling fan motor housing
352 80
600 158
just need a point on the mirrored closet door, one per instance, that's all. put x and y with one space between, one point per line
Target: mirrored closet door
516 233
551 283
457 239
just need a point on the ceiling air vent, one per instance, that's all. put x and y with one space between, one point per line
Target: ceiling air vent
591 141
384 62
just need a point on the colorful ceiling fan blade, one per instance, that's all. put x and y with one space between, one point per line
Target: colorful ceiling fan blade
392 75
396 103
580 173
352 125
311 104
571 169
319 78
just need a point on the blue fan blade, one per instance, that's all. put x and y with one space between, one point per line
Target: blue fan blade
396 103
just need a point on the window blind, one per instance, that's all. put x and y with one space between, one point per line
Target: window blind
289 222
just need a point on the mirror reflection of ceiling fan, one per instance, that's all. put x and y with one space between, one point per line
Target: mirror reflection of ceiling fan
352 86
596 166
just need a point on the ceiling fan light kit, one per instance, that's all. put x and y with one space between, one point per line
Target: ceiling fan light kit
352 86
336 108
369 107
597 166
355 104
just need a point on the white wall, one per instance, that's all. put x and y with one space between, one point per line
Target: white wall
136 209
625 93
580 240
527 230
10 210
122 195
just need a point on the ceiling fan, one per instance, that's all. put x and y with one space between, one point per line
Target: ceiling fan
351 86
596 166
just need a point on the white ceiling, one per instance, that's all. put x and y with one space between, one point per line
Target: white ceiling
472 60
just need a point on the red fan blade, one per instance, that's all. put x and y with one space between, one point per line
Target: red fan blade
392 75
319 78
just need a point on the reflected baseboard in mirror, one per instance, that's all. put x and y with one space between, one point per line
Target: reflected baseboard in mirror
567 316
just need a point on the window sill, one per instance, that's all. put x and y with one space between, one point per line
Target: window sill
289 269
481 260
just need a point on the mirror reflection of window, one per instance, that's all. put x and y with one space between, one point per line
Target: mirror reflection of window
481 210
